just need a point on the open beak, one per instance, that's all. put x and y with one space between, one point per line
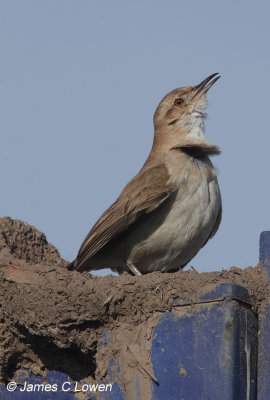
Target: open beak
204 86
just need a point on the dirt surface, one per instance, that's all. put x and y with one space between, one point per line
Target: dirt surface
52 318
20 241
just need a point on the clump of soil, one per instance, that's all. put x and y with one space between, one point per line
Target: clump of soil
52 318
19 240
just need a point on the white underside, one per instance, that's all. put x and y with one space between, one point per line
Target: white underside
185 229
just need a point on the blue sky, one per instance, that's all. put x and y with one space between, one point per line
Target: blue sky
79 83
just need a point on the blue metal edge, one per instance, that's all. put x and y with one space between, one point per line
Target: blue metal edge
264 326
264 256
223 291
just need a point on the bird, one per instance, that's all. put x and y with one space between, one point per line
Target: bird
172 207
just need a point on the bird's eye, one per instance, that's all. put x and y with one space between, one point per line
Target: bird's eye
178 102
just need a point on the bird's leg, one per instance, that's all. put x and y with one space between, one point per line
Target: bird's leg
133 269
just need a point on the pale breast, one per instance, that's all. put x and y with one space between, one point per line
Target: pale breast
176 231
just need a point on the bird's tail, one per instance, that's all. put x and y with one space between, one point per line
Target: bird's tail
75 266
71 266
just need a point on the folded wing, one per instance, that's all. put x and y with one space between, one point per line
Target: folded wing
145 192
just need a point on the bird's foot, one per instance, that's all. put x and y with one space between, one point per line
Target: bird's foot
133 269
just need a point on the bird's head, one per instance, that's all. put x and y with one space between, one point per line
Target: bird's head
182 110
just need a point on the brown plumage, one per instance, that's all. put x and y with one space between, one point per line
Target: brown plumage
170 209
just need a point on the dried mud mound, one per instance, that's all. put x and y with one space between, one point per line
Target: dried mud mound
22 241
52 318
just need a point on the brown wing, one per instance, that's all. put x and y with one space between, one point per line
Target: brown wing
143 193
